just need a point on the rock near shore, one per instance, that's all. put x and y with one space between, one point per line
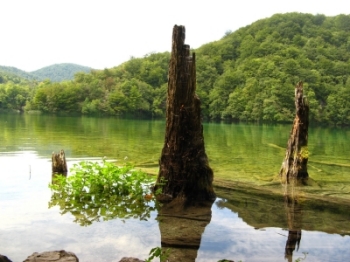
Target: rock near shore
4 259
53 256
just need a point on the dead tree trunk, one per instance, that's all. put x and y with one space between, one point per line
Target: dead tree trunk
59 164
294 166
184 168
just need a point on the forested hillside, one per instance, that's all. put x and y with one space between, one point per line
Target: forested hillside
54 73
248 75
15 73
59 72
254 70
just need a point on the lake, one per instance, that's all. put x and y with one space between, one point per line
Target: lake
249 221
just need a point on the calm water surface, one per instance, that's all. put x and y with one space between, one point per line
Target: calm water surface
242 227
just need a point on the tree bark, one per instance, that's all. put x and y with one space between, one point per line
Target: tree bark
184 166
59 164
294 166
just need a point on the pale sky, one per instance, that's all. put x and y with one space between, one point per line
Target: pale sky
105 33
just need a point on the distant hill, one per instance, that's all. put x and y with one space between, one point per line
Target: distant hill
14 74
56 72
59 72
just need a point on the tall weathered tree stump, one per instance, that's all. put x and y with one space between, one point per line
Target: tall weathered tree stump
59 164
294 166
184 168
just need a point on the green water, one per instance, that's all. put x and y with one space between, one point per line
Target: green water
244 153
247 222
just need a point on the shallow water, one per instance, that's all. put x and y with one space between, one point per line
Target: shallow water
27 225
247 227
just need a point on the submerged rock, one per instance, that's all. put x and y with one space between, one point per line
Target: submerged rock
130 259
55 256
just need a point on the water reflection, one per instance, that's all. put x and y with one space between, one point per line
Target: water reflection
181 229
288 226
294 221
98 206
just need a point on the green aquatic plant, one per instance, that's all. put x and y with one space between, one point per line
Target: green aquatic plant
103 191
160 185
158 252
302 258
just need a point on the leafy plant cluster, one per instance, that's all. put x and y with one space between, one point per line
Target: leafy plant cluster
102 191
158 252
248 75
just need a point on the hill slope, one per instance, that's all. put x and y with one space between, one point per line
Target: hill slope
250 74
59 72
56 72
15 74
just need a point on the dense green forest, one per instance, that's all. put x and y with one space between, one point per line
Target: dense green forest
248 75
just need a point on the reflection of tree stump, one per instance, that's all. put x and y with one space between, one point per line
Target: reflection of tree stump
59 164
294 165
184 166
181 230
294 217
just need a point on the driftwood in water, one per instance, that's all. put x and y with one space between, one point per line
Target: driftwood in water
294 166
59 164
184 168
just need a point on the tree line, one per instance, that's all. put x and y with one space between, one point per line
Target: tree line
248 75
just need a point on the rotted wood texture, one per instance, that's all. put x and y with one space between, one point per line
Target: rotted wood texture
294 166
184 166
59 164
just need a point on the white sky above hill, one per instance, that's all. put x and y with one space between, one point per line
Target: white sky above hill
105 33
